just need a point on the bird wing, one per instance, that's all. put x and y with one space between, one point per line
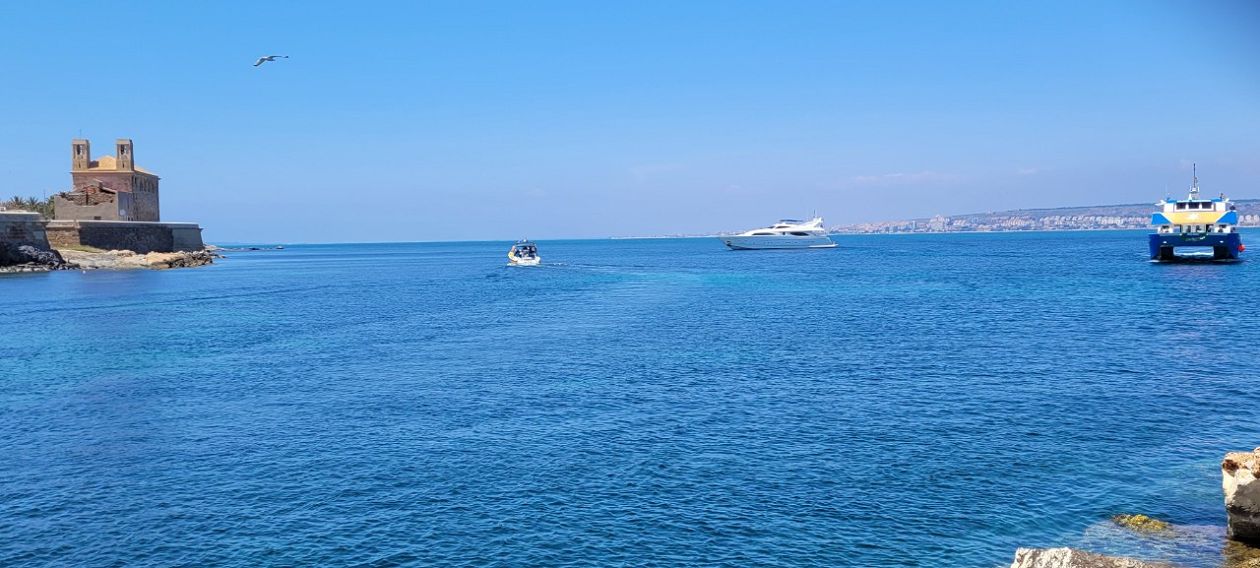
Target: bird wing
260 61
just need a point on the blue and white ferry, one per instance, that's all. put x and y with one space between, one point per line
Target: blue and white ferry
1196 228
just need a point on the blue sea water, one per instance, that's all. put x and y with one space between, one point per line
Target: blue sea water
923 400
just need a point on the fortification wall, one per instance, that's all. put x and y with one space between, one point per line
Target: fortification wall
186 237
21 228
135 236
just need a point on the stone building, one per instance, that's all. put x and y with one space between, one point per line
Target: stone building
111 188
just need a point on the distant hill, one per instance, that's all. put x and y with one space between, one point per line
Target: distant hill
1098 217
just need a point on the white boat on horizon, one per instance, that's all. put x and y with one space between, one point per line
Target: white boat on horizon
785 234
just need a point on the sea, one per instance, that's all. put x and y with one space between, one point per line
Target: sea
900 400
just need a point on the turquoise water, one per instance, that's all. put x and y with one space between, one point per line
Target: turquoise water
897 401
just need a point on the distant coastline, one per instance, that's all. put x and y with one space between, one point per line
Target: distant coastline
1089 218
1126 217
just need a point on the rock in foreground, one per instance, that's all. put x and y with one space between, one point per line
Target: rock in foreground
128 260
1239 473
1072 558
26 258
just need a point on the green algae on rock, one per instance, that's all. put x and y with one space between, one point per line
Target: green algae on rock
1142 523
1239 555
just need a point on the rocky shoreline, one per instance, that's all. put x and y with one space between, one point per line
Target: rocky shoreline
18 259
1237 545
128 260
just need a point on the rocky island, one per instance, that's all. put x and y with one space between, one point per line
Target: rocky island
109 219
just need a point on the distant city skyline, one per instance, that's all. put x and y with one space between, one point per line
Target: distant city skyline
451 121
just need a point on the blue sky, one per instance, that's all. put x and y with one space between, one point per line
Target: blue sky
469 120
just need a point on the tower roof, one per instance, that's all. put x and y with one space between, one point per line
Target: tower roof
110 164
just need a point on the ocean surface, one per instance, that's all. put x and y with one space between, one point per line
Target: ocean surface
918 400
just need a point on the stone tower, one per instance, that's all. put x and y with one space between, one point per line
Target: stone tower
126 162
80 155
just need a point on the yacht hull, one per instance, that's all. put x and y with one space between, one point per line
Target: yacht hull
755 242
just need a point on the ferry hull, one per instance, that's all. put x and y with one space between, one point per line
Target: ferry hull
1226 246
751 242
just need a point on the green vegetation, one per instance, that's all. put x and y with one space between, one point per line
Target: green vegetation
33 204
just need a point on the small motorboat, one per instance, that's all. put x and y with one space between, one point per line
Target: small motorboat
524 253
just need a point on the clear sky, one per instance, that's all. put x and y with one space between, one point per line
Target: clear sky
485 120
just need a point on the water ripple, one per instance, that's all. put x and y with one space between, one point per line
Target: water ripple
898 401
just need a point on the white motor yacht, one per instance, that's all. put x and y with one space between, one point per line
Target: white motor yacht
524 253
786 234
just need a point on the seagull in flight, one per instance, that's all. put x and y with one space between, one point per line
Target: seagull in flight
267 58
